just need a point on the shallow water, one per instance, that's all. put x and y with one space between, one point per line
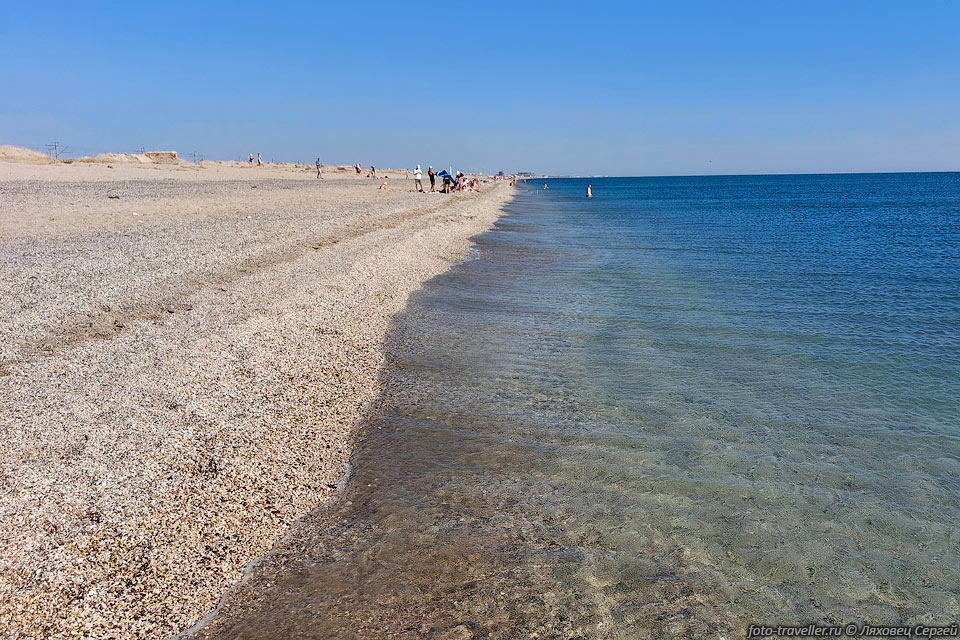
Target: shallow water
683 406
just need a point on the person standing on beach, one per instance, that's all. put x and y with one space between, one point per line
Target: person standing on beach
319 169
418 178
359 169
259 162
433 178
251 159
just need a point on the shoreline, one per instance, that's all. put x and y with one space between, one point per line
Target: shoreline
597 434
249 572
187 365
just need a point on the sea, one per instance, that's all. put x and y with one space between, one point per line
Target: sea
679 408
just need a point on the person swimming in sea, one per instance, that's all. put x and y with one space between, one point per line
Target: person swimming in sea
589 191
545 186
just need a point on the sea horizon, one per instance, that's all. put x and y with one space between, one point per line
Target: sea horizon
737 175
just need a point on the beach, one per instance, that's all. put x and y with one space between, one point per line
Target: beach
677 409
185 351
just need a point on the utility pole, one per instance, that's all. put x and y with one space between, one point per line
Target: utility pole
54 150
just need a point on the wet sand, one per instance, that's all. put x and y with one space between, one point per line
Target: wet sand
184 355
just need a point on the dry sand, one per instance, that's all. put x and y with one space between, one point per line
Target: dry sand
184 352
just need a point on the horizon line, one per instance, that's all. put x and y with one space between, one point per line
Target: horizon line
545 176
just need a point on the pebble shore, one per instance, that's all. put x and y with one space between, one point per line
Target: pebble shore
184 354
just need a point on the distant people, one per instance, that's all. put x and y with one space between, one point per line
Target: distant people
418 179
359 169
373 172
259 162
545 186
250 160
433 178
383 186
589 191
319 168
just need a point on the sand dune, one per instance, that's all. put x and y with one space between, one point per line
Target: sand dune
19 154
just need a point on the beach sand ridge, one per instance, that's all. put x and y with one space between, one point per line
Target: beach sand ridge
182 367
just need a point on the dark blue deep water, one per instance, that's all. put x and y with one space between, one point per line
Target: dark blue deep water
677 408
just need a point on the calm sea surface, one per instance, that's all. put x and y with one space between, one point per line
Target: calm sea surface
683 406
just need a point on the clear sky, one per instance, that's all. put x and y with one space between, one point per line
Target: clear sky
615 88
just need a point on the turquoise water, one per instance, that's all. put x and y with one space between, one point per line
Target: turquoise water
678 408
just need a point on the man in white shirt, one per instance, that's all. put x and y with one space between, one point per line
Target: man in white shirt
418 177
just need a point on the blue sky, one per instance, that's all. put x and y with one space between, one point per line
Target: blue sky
631 88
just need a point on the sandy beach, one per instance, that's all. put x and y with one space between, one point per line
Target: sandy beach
184 353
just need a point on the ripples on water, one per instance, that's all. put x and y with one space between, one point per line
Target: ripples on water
683 406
